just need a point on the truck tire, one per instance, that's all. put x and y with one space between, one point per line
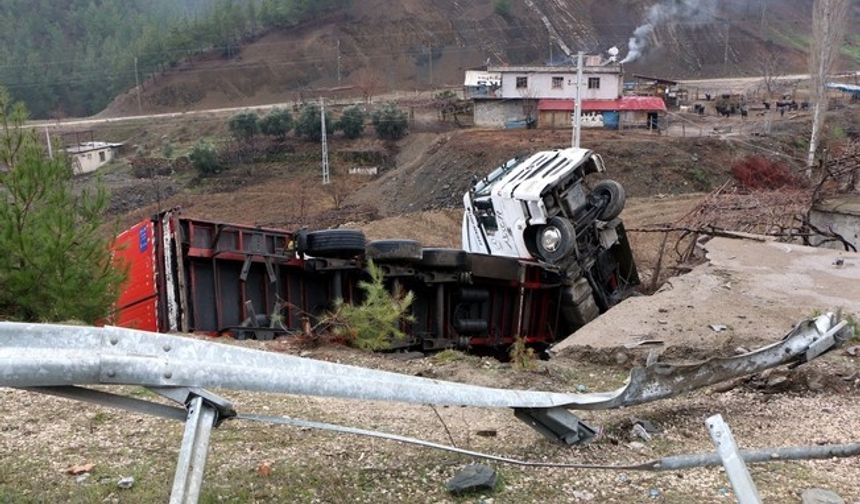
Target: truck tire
577 305
613 198
394 250
555 240
445 258
471 326
333 243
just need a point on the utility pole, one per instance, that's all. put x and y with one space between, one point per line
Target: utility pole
326 174
550 50
430 57
137 86
726 50
50 147
577 108
338 61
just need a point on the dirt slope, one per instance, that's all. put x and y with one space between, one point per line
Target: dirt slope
438 176
416 44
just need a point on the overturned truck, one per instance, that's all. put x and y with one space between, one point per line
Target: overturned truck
543 254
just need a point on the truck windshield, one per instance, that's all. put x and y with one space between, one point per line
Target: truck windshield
485 185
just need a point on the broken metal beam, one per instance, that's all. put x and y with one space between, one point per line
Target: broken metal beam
50 355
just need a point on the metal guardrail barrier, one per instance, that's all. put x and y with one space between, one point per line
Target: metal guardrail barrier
58 360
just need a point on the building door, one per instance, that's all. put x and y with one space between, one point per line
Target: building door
653 121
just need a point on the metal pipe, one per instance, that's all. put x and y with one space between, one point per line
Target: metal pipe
577 114
672 463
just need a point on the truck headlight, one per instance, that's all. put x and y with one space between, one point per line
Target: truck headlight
550 238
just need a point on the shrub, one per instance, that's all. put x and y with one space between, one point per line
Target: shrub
522 356
56 264
758 172
204 158
352 122
244 126
308 125
374 323
277 123
390 122
502 8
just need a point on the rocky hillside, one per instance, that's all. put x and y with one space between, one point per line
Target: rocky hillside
382 46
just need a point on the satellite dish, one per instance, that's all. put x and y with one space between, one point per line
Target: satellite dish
613 51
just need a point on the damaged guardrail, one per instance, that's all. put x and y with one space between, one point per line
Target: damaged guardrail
57 360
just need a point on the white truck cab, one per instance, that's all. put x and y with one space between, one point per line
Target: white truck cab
541 208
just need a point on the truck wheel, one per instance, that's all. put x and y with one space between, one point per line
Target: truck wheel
554 241
613 198
334 243
577 304
394 250
445 258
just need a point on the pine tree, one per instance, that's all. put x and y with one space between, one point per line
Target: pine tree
56 264
375 323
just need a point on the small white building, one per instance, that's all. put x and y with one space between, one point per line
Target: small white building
87 157
600 81
515 102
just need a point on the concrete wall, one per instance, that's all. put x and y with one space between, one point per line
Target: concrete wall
846 224
495 113
540 86
639 119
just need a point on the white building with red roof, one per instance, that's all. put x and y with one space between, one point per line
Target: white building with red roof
529 96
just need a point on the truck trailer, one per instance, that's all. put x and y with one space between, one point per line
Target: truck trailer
536 264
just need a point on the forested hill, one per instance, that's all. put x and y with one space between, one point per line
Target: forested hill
71 57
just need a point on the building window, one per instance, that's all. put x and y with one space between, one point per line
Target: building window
594 83
522 82
557 82
102 156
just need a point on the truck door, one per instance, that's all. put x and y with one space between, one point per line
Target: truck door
137 306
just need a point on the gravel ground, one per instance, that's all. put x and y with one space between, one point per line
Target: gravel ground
41 437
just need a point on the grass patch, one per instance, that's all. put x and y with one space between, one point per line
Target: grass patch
699 177
794 40
100 418
851 47
449 355
143 392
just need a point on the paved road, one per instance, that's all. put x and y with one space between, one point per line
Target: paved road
738 84
721 84
214 112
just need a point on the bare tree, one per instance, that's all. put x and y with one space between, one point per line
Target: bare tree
828 30
771 64
370 84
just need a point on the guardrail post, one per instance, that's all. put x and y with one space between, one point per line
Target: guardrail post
192 454
742 483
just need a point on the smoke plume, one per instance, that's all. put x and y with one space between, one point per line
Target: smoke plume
669 11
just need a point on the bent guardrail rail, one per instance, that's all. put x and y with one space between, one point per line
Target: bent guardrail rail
57 360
